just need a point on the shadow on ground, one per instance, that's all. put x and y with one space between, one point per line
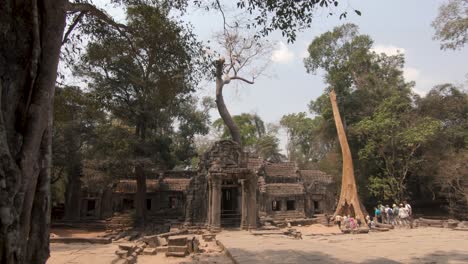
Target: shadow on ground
299 257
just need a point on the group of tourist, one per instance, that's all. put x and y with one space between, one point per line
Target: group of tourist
395 215
347 222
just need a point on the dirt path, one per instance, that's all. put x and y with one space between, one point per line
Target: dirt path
422 245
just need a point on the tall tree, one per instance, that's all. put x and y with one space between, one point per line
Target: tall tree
451 24
76 116
393 136
242 52
34 31
349 202
144 80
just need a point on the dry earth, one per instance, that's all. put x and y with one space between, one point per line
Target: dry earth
320 244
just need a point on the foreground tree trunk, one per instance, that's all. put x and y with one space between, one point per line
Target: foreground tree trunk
30 39
222 109
349 203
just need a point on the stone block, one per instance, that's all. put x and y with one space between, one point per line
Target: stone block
176 254
127 247
177 249
121 253
150 251
209 237
162 249
177 241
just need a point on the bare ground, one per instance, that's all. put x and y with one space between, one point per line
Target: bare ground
320 244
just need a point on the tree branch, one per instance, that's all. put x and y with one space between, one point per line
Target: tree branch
94 11
242 79
72 26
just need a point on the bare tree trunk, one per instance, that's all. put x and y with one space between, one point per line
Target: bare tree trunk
222 109
349 203
140 201
30 39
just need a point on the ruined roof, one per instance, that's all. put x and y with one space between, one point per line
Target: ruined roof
254 164
282 169
311 176
167 184
284 189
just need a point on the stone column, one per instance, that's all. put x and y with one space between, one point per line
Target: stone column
244 213
210 193
215 202
252 200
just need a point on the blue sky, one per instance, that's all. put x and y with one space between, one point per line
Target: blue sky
393 25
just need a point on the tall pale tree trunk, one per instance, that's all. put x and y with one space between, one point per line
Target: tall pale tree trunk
222 109
349 203
30 39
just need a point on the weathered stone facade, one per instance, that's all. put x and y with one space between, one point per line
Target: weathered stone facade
230 189
224 191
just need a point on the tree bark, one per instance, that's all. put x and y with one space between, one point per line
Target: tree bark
349 203
222 109
74 170
140 201
30 40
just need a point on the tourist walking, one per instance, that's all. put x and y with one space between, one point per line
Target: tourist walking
403 214
396 218
390 219
338 219
383 214
410 213
378 215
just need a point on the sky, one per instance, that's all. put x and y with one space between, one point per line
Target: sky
397 25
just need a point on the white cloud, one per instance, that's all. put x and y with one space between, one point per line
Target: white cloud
411 74
282 54
388 49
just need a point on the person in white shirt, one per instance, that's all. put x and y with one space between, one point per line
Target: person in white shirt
403 214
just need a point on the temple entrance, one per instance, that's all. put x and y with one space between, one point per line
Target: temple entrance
230 200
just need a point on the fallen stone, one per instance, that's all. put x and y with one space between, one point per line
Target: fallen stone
162 249
139 250
149 251
168 234
127 246
461 229
177 241
176 254
121 253
177 249
209 237
68 240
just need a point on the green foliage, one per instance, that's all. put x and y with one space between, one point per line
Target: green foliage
451 24
145 80
397 139
251 128
305 144
392 136
255 136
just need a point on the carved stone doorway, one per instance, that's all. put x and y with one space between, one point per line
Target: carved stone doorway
230 200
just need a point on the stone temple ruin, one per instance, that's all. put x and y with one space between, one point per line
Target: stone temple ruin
230 190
